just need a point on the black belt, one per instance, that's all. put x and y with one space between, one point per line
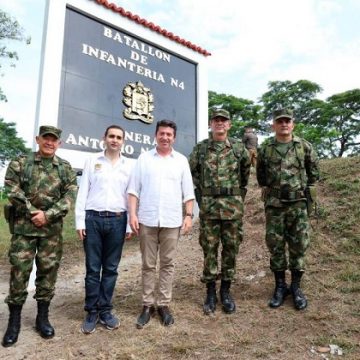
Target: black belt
287 195
106 213
220 191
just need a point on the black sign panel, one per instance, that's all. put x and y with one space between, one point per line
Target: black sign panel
112 77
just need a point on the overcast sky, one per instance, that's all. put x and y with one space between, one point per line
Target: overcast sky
252 42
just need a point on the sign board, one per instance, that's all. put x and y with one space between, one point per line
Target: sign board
100 69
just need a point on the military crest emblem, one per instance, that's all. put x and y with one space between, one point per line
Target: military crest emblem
139 101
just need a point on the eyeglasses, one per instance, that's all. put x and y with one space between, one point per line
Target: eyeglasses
283 121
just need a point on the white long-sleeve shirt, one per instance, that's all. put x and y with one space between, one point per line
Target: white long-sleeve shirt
162 185
103 186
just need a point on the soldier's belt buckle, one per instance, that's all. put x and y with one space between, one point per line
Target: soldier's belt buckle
224 191
285 194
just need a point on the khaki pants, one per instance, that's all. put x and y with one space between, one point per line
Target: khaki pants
152 241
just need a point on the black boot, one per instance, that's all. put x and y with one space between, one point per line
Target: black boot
211 300
226 299
300 301
281 290
13 329
43 325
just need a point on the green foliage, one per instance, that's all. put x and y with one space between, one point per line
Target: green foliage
243 112
332 126
11 146
10 30
342 116
291 95
4 231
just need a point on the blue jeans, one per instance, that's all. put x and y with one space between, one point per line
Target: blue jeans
103 247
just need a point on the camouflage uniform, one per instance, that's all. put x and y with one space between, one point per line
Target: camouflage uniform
43 191
220 181
285 173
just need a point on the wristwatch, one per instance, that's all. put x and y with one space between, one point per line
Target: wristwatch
191 215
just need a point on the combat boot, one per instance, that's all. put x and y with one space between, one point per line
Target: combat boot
281 290
43 325
300 301
13 329
211 299
226 299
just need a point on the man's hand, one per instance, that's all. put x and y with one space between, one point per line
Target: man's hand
38 218
186 225
128 236
134 224
81 234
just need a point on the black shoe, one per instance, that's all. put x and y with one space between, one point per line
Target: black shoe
228 303
43 325
13 329
166 318
281 290
300 301
145 316
278 298
211 299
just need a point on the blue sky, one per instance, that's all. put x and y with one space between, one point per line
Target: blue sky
252 43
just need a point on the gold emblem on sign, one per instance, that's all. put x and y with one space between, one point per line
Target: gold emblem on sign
139 101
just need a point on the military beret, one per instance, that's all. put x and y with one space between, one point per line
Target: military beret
47 129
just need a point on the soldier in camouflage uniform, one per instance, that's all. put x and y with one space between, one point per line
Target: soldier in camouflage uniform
220 167
287 169
42 187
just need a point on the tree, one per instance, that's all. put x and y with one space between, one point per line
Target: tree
342 117
10 30
243 112
308 110
11 146
299 96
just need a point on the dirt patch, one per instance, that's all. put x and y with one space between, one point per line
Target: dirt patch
254 332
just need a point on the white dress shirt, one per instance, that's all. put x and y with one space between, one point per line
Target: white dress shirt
161 185
103 186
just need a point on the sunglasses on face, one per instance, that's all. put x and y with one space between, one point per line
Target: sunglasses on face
283 121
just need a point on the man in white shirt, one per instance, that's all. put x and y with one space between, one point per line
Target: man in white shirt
101 219
160 183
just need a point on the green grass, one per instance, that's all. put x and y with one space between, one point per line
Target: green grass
4 231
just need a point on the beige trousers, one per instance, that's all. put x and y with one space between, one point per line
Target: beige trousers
154 240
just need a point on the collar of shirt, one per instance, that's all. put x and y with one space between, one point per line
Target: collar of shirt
213 145
103 156
172 154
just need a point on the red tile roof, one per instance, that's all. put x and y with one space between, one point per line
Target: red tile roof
152 26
